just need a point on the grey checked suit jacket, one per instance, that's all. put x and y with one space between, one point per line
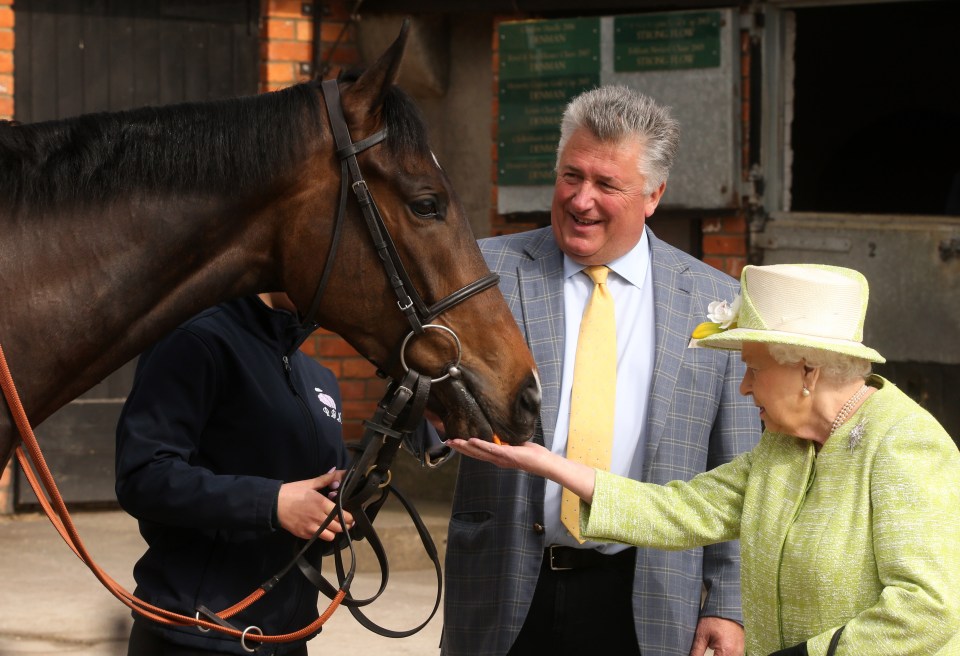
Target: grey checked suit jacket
697 420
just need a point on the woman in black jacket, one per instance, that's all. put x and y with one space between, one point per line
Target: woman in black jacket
229 448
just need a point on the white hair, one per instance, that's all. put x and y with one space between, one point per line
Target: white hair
836 367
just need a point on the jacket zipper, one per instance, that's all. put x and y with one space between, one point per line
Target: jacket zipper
304 410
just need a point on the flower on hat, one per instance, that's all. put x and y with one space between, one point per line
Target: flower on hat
723 316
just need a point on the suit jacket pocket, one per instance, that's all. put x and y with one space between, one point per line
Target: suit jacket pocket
471 530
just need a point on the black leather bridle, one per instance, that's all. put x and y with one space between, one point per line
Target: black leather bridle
366 485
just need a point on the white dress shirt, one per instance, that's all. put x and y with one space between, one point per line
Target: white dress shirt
631 284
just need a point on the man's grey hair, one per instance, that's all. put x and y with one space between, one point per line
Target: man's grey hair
616 113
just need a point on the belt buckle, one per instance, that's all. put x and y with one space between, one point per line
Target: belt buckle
556 568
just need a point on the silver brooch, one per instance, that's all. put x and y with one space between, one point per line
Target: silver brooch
856 434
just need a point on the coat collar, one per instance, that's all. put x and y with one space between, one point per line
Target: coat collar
279 328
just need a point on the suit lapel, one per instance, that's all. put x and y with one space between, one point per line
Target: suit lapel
672 297
540 282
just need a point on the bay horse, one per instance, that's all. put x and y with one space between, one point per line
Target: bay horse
116 227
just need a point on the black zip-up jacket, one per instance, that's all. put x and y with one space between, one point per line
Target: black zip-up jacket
222 412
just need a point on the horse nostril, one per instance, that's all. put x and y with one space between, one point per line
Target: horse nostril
528 402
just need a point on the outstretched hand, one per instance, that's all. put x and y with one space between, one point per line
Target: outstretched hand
534 458
523 456
303 506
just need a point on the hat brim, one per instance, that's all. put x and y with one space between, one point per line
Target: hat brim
734 339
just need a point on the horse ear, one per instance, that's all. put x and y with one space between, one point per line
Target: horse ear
367 93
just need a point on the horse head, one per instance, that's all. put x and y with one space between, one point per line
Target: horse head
448 317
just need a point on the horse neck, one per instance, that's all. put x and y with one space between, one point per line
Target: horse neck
173 210
105 290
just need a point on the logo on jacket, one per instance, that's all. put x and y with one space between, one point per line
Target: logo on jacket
330 406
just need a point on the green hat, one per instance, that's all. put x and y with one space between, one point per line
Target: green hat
812 305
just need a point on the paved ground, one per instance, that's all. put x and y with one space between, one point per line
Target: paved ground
50 603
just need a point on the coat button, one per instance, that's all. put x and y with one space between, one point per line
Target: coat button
538 528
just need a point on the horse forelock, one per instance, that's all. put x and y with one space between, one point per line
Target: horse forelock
219 147
406 129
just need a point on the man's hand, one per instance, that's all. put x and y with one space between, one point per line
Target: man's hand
302 506
724 637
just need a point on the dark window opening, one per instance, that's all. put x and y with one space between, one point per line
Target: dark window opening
876 126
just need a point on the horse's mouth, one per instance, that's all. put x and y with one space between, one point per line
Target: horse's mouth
464 417
468 413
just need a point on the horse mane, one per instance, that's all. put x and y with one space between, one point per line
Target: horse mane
214 147
222 146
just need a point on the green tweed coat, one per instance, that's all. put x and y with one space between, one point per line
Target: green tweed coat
865 533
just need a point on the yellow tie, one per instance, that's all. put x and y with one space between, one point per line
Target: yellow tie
590 439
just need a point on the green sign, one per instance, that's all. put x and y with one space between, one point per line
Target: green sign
658 42
543 64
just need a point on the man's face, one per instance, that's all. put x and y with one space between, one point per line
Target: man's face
599 205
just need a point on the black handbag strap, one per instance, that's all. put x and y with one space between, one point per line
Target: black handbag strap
832 649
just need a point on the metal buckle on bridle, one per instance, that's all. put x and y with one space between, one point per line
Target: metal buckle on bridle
385 482
361 191
202 629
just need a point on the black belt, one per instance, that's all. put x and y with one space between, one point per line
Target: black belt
560 558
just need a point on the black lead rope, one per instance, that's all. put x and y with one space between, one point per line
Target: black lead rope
366 487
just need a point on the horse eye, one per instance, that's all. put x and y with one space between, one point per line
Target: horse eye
425 208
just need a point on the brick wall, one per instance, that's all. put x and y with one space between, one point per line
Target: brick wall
725 243
6 59
287 55
6 112
287 37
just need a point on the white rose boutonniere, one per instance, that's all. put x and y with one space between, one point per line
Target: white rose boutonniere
723 316
724 313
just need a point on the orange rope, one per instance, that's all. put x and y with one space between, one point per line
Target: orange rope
45 487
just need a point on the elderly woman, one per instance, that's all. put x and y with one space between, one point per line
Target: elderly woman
847 510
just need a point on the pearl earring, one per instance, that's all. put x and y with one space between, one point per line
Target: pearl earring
805 391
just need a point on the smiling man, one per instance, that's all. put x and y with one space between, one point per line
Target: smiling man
518 581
